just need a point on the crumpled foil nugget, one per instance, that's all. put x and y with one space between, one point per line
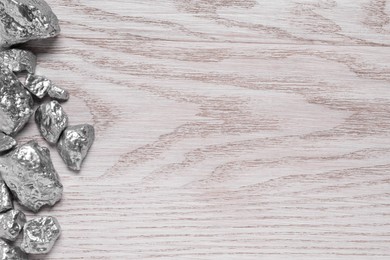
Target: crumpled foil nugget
51 120
6 142
18 60
11 223
16 103
74 144
9 252
30 175
5 197
40 234
24 20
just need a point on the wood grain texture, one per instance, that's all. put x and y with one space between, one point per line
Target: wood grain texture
226 129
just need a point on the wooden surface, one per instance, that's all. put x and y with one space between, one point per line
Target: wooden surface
226 129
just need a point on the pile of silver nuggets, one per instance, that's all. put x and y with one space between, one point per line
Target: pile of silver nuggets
27 171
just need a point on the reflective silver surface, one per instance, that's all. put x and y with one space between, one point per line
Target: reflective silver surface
18 60
11 223
6 142
58 93
9 252
74 144
38 85
40 234
51 120
24 20
29 173
16 104
5 197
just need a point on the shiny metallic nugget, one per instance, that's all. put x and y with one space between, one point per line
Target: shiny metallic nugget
11 223
38 85
6 142
9 252
40 234
51 120
75 143
58 93
5 197
18 60
24 20
16 104
30 175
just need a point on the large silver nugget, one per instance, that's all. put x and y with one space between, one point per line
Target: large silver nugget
40 234
16 104
29 173
74 144
38 85
5 197
51 120
11 223
58 93
8 252
18 60
6 142
24 20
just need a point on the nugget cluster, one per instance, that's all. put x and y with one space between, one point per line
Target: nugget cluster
28 175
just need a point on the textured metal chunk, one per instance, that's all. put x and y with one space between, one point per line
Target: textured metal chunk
24 20
58 93
38 85
18 60
16 104
51 120
11 223
74 144
5 197
29 173
8 252
6 142
40 234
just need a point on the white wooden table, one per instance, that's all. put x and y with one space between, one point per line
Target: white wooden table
226 129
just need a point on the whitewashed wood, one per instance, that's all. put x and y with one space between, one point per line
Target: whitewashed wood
225 129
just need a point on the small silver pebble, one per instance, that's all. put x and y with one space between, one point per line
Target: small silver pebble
9 252
40 234
5 197
18 60
16 104
51 120
75 143
11 223
58 93
24 20
38 85
29 173
6 142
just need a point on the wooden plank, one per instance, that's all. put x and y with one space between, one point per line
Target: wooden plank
225 129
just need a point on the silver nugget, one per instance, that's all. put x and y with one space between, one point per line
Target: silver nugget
58 93
40 234
29 173
9 252
16 104
18 60
5 197
74 144
24 20
38 85
6 142
11 223
51 120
